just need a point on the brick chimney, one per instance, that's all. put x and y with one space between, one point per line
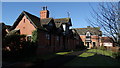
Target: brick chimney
44 13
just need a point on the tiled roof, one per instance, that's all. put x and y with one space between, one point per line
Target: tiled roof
107 39
58 24
92 30
37 22
34 19
45 21
63 20
3 26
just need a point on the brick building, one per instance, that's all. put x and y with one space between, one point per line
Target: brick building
91 36
53 34
107 42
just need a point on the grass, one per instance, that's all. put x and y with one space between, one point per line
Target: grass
96 60
102 52
63 53
86 54
94 57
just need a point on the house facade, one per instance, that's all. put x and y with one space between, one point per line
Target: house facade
53 34
91 36
107 42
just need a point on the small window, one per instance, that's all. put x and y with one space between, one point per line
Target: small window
57 38
29 38
47 36
23 27
88 34
24 20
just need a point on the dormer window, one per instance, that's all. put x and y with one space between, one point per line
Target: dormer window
88 36
64 27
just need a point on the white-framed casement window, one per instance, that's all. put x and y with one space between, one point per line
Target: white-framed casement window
64 27
48 36
29 37
88 36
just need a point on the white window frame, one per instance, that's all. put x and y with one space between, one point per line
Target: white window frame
29 36
48 36
64 27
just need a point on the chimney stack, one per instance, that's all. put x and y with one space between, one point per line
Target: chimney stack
44 13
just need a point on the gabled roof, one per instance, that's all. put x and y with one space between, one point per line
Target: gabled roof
92 30
33 19
107 39
63 20
58 24
45 21
37 22
3 26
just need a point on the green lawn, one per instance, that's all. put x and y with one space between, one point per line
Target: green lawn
86 54
63 53
102 52
94 57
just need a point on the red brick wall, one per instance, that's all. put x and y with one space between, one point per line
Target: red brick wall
43 43
25 26
44 46
44 14
94 38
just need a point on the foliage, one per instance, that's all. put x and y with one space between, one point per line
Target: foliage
34 36
102 48
19 47
116 55
12 40
107 17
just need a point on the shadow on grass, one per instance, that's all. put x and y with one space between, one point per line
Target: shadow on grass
95 60
56 62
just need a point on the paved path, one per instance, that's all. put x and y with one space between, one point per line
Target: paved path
59 61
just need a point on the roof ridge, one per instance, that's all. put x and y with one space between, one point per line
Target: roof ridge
29 13
63 18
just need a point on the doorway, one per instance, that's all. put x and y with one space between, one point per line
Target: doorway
94 44
87 44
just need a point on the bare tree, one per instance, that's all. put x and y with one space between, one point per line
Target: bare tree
108 18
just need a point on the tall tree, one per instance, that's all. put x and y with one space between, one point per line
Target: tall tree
107 16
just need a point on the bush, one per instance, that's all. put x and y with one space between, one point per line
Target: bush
102 48
116 55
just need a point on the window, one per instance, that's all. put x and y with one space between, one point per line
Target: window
64 27
23 27
29 37
94 44
47 36
57 38
88 36
24 20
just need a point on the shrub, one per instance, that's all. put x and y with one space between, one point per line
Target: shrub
102 48
34 36
116 55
